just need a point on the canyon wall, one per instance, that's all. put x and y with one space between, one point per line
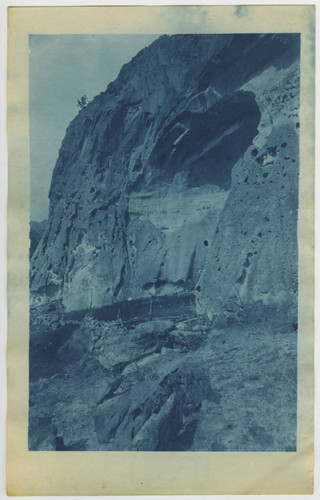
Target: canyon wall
181 177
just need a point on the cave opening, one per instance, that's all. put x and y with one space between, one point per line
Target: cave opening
215 140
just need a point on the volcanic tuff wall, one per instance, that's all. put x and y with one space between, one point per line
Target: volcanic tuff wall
182 175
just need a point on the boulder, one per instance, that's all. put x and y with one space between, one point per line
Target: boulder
152 329
154 413
186 339
96 393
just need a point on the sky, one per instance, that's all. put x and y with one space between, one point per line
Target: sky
62 68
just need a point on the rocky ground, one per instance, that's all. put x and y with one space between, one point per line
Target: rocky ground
153 383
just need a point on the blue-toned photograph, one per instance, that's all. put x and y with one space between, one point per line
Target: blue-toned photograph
163 242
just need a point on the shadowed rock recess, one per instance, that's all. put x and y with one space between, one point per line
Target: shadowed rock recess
163 290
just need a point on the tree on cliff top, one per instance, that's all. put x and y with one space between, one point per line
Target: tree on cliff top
82 102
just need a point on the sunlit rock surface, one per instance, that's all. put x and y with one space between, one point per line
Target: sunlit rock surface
252 255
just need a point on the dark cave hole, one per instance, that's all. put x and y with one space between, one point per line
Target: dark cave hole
215 141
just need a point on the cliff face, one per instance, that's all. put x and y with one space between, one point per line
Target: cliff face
36 231
181 176
259 218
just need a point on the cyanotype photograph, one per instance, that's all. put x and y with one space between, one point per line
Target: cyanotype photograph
163 242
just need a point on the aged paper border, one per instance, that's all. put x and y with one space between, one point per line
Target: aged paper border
145 473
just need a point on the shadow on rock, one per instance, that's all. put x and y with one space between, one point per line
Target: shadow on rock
156 416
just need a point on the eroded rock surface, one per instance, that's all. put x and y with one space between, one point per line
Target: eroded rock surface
184 172
259 218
